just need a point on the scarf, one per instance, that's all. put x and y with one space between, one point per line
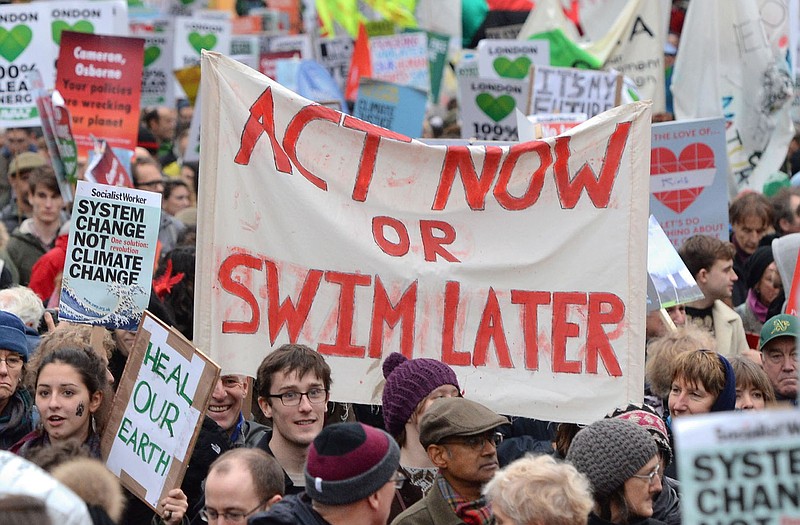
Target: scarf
757 307
16 420
477 512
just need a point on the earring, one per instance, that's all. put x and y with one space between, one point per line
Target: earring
94 424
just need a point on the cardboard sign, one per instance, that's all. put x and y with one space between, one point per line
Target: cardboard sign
401 59
194 34
245 49
110 255
739 467
398 108
158 411
335 55
100 78
369 242
571 90
158 84
689 178
511 58
487 107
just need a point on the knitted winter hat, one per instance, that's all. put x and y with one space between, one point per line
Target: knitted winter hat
647 418
349 461
757 264
407 383
609 452
726 400
12 335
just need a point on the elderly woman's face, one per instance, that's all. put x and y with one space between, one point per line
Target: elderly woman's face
10 374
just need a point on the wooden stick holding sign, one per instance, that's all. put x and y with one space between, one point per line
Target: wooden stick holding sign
157 411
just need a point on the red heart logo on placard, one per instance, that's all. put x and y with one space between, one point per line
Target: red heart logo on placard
694 157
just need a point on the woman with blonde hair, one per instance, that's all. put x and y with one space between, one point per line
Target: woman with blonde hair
538 490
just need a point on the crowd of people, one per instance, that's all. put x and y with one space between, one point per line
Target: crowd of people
427 454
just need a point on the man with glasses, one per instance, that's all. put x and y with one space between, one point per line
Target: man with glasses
461 439
351 479
240 483
293 386
15 401
147 176
778 347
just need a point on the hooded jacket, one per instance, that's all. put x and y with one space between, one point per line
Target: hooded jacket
290 510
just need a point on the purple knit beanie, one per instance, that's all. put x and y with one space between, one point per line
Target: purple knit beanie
407 383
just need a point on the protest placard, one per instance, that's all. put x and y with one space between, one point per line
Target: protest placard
299 43
487 107
511 58
245 49
325 230
106 168
110 255
689 178
158 411
158 84
335 55
24 48
571 90
398 108
401 59
31 38
669 281
57 134
546 124
193 34
100 78
437 59
739 467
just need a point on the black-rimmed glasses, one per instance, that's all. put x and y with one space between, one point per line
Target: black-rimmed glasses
315 396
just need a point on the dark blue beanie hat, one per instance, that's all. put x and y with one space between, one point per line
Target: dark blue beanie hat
12 334
726 400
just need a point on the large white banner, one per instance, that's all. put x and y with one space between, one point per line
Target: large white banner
522 267
743 75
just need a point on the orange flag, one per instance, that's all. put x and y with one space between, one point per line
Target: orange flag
360 65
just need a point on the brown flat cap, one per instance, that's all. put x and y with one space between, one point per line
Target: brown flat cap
456 416
27 160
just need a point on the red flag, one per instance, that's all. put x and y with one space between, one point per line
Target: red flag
360 65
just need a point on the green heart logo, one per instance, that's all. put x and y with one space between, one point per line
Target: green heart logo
59 26
151 54
512 69
199 41
186 2
14 42
496 108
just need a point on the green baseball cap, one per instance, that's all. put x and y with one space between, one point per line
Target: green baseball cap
779 326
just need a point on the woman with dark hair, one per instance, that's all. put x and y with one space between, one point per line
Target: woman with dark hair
763 287
622 463
174 286
68 385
